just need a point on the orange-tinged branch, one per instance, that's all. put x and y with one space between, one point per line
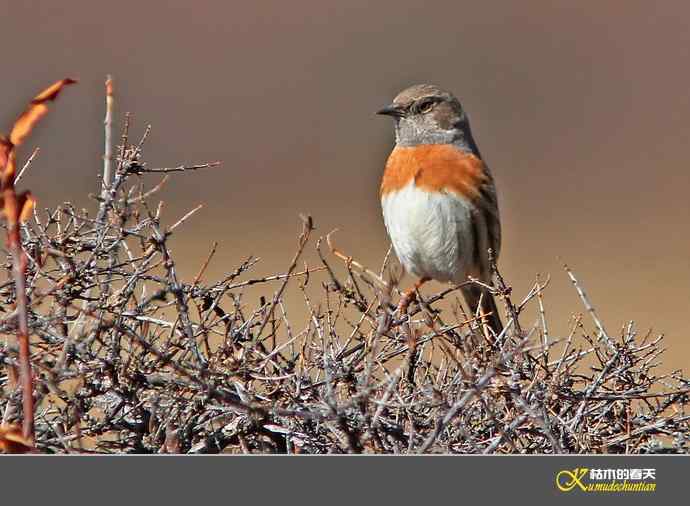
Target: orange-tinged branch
15 209
12 440
6 148
27 202
36 110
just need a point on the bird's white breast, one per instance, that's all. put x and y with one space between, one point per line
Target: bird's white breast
431 232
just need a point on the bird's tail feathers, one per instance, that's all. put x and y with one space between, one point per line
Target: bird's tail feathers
475 295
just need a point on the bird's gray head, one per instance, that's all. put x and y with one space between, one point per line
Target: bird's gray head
427 114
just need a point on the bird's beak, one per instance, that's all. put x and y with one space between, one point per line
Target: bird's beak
392 110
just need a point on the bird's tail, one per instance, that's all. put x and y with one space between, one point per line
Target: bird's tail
473 295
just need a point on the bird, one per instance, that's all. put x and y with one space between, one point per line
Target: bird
439 200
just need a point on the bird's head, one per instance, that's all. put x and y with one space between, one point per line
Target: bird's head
427 114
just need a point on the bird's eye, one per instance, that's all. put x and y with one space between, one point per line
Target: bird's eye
426 106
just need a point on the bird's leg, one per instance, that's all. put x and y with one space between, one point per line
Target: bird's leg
405 301
409 296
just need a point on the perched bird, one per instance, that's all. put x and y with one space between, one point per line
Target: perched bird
438 197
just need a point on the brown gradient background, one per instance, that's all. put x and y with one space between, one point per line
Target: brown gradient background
581 110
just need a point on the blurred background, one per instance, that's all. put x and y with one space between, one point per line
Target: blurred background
581 110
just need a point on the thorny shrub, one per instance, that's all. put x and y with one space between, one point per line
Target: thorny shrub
128 357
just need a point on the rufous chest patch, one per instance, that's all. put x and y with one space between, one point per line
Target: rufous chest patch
434 168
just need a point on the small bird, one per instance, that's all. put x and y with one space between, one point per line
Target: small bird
438 197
